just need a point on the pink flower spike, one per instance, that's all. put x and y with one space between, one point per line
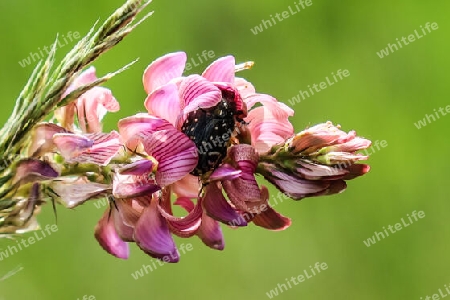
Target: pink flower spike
221 70
107 237
152 235
163 70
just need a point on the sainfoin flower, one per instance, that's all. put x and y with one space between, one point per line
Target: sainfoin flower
202 142
200 145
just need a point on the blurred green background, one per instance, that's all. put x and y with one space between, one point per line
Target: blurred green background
381 99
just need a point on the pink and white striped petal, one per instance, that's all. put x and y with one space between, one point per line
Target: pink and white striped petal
105 147
175 152
131 127
70 145
197 92
163 70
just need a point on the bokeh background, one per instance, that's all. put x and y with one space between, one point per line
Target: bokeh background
381 99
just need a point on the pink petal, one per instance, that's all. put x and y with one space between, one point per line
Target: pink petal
185 203
312 171
30 169
132 126
218 208
245 88
124 231
107 237
163 69
210 233
197 92
272 220
78 191
164 102
221 70
84 78
175 152
225 172
189 186
140 167
129 186
128 214
152 235
353 145
356 170
268 127
42 138
185 226
105 147
70 145
92 107
294 187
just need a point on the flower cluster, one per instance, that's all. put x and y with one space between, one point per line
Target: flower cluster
200 146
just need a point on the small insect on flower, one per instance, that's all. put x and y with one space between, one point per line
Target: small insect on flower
211 129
